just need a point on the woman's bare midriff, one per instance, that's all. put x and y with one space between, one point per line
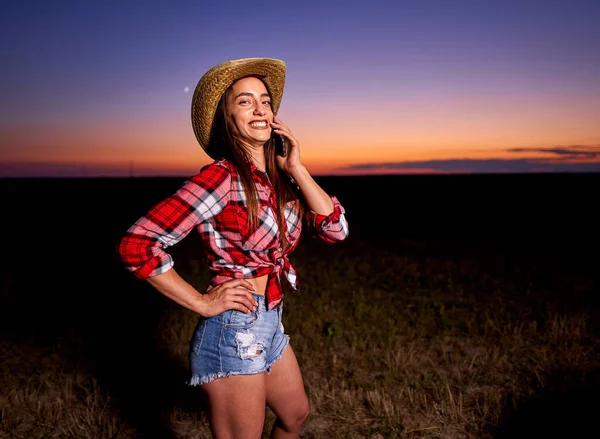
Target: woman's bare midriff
259 284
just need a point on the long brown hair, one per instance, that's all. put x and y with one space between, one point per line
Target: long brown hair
224 143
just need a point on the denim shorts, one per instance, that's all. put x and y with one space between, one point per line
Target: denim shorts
236 343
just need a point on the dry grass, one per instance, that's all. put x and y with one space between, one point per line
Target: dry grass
390 345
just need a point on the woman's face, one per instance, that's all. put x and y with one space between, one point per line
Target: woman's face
248 111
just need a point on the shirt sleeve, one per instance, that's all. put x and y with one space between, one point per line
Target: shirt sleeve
332 227
142 249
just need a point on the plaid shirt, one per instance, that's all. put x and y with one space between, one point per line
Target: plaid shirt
213 202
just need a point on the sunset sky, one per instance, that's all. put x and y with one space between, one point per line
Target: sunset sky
103 88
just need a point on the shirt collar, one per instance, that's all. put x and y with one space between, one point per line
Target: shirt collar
260 173
255 169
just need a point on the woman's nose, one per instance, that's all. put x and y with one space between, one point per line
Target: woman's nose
258 109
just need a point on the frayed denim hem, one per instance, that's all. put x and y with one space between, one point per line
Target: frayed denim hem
197 380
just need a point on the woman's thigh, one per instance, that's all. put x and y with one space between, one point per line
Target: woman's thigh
285 393
237 406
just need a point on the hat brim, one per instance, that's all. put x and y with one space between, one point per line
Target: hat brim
215 81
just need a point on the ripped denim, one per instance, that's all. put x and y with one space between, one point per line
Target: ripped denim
236 343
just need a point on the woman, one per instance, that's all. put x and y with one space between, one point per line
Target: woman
248 205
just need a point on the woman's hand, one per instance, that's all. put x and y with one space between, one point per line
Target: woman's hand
233 294
291 161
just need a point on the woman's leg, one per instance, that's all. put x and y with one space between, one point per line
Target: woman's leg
286 396
237 406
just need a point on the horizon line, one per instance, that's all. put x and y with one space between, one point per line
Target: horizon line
390 174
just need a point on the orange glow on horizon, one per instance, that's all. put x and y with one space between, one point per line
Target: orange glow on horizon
167 147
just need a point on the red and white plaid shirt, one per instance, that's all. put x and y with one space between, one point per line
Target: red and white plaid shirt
213 202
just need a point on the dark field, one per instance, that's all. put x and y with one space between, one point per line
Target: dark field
459 307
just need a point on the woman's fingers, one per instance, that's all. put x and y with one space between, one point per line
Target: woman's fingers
233 294
282 128
245 307
243 290
237 283
245 299
279 122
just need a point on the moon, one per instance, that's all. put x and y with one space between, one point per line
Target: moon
186 89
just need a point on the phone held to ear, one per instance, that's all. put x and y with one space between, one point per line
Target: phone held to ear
280 146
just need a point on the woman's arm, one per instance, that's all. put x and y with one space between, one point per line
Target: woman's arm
316 198
233 294
142 249
325 213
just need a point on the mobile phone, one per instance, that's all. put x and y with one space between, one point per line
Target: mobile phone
280 147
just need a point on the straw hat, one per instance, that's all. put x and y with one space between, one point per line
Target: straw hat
215 81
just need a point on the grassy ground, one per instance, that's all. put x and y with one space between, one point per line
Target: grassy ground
395 339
